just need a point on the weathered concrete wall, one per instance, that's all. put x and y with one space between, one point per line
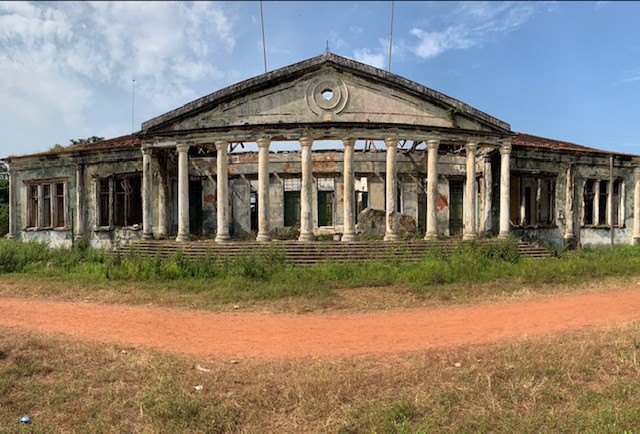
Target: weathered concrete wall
240 192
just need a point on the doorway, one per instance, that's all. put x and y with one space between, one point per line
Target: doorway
456 207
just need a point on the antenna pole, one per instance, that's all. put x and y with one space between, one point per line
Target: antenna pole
133 103
391 37
264 44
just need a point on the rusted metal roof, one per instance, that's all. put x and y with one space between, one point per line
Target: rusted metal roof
129 141
530 141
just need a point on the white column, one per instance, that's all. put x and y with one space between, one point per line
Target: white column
264 228
162 203
183 192
79 225
12 207
147 213
432 190
505 190
306 221
392 187
636 206
222 184
470 194
349 230
569 235
487 198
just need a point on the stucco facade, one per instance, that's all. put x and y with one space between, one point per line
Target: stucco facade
400 147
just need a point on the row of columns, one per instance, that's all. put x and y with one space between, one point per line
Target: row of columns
306 220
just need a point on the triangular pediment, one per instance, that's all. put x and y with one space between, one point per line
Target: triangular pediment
325 89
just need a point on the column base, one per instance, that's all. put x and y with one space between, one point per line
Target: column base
182 238
570 242
348 237
391 236
431 236
504 235
307 237
223 238
146 236
10 236
162 236
469 236
263 238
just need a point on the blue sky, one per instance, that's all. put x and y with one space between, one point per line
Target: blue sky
563 70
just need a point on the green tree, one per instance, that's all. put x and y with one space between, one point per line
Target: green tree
76 142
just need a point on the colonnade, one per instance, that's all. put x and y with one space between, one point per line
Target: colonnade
306 219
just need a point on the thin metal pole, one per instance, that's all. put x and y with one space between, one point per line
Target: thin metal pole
133 103
391 37
264 44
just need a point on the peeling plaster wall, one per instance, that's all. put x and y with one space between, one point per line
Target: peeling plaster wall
372 165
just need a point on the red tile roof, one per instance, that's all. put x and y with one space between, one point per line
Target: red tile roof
527 140
129 141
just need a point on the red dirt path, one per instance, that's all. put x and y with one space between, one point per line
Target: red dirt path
236 335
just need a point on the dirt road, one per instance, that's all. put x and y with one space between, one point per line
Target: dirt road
237 335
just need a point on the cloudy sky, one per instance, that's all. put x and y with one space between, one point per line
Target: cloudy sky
564 70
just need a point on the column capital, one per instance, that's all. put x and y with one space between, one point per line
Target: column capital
433 144
471 147
146 150
391 142
505 149
263 142
636 171
348 141
306 141
182 147
221 145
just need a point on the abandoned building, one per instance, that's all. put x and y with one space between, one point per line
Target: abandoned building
400 149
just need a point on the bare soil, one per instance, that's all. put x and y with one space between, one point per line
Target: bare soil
237 335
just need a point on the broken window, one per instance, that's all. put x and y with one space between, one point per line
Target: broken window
326 196
597 203
292 202
46 205
32 209
533 200
120 201
362 195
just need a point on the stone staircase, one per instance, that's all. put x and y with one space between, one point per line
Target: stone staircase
311 253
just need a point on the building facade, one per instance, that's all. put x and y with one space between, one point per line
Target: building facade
400 148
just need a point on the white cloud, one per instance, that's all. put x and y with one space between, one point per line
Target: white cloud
373 58
433 43
55 56
475 24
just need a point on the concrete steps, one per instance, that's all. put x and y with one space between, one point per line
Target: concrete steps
314 252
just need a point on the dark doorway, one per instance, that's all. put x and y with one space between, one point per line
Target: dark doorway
292 208
422 211
456 198
325 208
253 200
195 207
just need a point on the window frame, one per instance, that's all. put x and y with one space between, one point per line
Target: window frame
35 218
542 187
601 201
113 212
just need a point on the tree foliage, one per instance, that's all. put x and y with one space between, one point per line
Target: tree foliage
76 142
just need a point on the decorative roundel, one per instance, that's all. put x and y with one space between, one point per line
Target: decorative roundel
327 95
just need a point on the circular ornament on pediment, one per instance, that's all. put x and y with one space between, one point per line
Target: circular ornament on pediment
327 95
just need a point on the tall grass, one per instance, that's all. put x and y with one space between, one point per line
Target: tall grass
270 276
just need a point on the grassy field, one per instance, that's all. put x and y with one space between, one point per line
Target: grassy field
584 381
468 274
